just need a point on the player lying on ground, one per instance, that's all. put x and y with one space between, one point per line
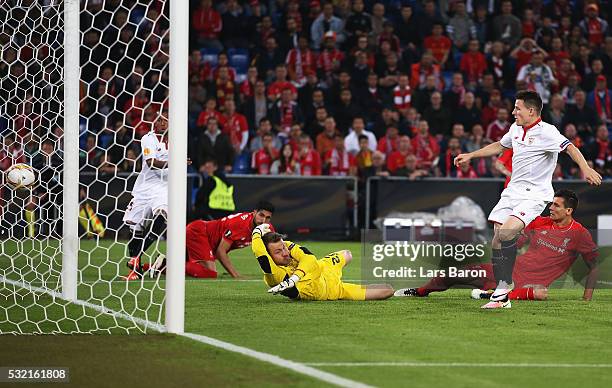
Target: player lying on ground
554 243
293 271
536 146
208 241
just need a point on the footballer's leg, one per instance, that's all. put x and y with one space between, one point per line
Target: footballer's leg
350 291
158 228
443 283
155 233
529 292
136 216
522 214
134 251
498 216
378 291
200 258
348 257
503 264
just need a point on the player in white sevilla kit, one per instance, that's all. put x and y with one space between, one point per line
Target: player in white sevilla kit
147 212
536 146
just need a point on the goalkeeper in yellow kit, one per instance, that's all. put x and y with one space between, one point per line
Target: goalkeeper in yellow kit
293 271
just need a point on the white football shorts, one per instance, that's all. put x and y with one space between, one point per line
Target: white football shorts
525 210
140 211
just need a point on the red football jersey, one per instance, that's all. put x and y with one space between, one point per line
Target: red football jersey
236 127
439 46
261 161
506 159
310 163
552 251
235 229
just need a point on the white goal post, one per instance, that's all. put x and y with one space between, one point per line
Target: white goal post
66 52
177 174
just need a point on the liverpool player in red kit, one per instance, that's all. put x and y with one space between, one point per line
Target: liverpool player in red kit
554 244
208 241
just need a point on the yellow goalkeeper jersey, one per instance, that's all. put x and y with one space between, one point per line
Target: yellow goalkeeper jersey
319 279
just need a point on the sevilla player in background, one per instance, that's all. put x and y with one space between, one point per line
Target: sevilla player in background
554 245
535 146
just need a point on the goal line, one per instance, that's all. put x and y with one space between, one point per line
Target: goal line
301 368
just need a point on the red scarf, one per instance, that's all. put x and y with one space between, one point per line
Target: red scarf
339 162
607 107
603 151
286 119
595 32
459 90
327 59
498 66
449 162
481 167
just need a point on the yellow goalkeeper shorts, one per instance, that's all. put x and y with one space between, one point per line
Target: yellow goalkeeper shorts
331 271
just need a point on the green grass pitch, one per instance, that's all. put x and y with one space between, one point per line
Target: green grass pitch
443 328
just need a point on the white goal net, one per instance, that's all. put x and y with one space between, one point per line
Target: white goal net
124 83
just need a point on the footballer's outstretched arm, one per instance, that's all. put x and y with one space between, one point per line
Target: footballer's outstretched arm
161 164
590 175
223 256
490 150
591 280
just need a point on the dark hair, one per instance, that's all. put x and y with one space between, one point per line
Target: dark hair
208 159
265 205
272 237
570 199
363 137
531 99
283 160
264 119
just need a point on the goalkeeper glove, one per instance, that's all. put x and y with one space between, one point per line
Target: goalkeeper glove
262 230
285 284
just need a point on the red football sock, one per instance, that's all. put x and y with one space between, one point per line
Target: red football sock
522 294
434 285
196 270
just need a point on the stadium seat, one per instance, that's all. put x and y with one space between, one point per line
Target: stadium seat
210 56
457 55
447 76
239 60
242 164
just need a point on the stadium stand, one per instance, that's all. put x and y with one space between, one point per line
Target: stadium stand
395 63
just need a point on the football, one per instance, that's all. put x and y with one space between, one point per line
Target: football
20 176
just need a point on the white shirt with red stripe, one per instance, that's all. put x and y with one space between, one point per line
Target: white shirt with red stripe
535 151
402 97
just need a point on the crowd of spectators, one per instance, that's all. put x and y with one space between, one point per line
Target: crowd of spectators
392 87
362 88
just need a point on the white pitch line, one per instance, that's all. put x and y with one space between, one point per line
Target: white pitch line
298 367
141 322
460 364
202 281
265 357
